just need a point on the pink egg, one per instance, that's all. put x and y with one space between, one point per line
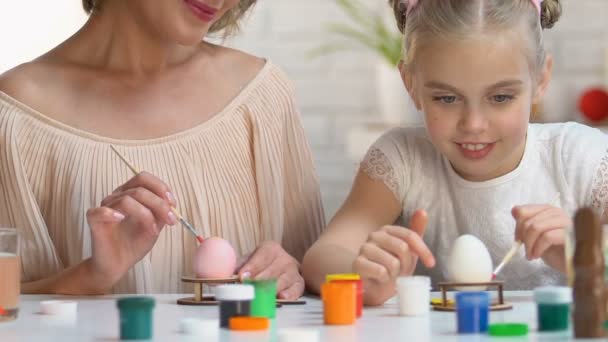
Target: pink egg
214 258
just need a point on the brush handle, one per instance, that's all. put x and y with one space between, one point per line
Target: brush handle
173 210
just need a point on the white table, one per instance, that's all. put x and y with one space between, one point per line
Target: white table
97 320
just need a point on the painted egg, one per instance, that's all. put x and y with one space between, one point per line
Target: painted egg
214 258
469 262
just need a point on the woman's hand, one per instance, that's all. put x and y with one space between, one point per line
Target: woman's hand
271 261
126 225
389 253
542 229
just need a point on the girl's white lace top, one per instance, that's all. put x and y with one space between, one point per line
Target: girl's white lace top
566 159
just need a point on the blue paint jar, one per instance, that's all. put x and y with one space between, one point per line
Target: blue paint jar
472 310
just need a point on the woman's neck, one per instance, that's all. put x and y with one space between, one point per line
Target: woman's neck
113 39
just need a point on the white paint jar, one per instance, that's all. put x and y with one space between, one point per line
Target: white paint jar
414 295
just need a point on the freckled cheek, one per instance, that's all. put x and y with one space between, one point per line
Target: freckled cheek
439 127
514 124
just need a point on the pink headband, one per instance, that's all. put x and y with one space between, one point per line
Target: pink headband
411 4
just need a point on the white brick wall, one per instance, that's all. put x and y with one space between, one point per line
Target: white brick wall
336 93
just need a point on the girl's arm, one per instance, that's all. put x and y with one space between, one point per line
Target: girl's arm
369 206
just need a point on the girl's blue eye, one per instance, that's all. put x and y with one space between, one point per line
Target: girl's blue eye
445 99
502 98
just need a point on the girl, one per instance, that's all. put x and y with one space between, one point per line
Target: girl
475 68
216 129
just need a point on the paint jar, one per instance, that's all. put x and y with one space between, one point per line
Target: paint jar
339 303
136 317
265 300
553 307
350 278
235 300
249 323
414 295
472 310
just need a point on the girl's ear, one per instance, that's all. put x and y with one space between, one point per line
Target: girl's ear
544 79
406 76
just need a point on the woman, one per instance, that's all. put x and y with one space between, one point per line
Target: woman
215 129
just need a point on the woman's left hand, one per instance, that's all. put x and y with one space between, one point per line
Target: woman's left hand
542 229
271 261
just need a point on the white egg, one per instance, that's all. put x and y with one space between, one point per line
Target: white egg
469 262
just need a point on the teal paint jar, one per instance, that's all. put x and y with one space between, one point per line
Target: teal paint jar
136 318
553 307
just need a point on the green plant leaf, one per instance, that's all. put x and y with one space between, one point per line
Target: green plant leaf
368 30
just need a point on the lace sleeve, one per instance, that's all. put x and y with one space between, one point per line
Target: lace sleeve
599 190
378 167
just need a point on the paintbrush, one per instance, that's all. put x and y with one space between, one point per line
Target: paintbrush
181 219
515 248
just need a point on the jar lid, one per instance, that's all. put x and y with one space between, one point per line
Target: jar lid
58 307
342 276
234 292
553 295
249 323
195 326
135 303
508 329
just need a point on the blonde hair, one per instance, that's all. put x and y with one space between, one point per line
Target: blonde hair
229 23
461 19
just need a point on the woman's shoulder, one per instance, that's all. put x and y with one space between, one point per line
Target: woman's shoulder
242 66
24 81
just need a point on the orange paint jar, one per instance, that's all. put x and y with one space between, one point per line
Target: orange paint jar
353 278
339 303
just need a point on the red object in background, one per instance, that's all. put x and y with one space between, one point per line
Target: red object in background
594 104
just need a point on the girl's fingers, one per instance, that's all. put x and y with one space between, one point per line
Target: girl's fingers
392 244
550 238
415 244
370 270
381 257
522 214
533 228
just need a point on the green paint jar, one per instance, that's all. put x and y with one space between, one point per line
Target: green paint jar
553 306
265 301
136 318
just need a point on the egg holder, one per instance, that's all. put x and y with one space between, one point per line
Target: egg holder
444 305
209 300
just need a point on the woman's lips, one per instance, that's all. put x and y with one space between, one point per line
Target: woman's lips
202 11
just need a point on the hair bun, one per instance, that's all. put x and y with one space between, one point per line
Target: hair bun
551 11
400 8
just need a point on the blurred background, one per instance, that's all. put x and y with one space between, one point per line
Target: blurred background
339 58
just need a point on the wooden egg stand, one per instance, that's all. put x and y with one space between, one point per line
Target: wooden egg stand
200 299
499 305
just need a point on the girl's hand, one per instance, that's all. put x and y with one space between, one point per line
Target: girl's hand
542 229
126 225
271 261
391 252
